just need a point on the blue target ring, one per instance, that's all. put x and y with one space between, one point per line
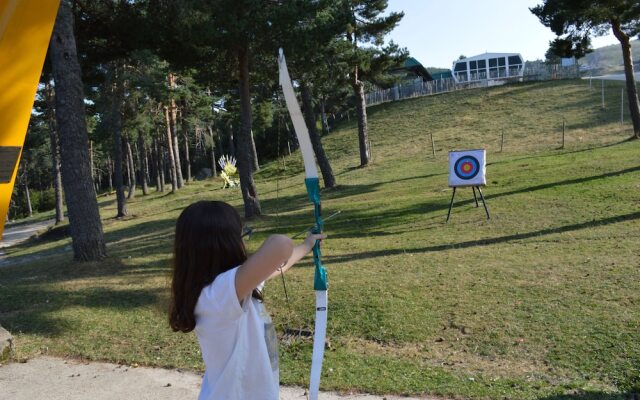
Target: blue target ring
466 167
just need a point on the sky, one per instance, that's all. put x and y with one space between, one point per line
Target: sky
437 32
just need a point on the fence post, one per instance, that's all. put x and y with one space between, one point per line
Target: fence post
622 107
602 93
433 146
502 141
563 128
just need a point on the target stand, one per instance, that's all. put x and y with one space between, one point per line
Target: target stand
467 168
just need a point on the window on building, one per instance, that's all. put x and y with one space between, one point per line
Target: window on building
460 71
497 67
477 70
515 65
461 66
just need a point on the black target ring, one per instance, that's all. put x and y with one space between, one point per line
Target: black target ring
467 167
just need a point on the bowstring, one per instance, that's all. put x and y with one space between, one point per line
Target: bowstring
284 283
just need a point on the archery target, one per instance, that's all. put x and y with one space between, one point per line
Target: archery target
467 168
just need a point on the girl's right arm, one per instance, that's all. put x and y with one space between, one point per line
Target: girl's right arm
274 252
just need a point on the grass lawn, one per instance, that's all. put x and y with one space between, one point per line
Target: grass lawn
540 302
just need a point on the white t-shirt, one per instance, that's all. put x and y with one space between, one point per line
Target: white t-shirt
238 342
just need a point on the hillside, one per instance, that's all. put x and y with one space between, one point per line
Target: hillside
540 302
608 57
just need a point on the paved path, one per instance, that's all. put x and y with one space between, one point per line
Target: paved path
15 234
48 378
613 77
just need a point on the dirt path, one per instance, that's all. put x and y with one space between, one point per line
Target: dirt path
48 378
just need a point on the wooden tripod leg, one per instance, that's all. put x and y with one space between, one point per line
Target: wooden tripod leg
474 194
484 203
451 204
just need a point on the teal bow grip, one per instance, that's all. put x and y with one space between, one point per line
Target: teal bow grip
313 190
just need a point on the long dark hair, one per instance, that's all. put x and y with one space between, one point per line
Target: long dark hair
207 243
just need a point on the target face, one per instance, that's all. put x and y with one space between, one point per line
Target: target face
467 168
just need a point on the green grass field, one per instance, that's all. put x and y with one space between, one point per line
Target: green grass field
540 302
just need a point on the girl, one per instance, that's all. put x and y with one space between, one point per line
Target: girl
216 292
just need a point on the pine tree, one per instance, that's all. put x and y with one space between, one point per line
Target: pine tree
368 57
575 21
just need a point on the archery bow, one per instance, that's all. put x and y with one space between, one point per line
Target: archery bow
313 190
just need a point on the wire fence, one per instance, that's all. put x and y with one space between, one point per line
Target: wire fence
417 89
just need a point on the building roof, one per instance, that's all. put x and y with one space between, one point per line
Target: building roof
414 66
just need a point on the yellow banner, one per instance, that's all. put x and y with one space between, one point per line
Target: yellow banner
25 30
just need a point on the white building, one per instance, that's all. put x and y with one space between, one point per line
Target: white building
492 68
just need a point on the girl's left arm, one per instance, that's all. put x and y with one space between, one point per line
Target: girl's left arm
298 253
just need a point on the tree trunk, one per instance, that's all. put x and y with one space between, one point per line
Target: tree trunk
131 169
117 98
323 117
143 165
152 164
25 187
138 162
98 182
28 198
172 160
82 205
310 119
232 142
157 165
632 90
93 167
247 185
127 170
55 152
363 129
214 167
254 154
185 137
110 171
162 167
174 133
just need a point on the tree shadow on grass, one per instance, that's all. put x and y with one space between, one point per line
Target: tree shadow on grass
363 219
514 88
497 240
32 301
556 154
594 396
144 238
563 183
